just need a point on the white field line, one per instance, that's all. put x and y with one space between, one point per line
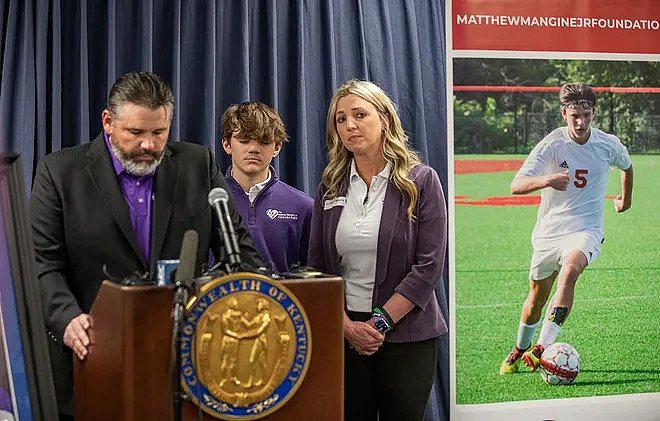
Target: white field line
584 300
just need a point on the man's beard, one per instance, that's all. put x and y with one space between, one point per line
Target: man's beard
139 169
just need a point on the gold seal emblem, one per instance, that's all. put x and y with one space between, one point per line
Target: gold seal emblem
245 347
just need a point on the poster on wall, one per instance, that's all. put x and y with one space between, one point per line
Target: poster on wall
556 311
7 396
26 385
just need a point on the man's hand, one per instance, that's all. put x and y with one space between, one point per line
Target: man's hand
620 205
558 181
363 337
75 335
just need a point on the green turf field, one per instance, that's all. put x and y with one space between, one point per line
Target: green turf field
615 321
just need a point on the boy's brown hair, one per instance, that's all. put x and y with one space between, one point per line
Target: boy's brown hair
572 94
253 120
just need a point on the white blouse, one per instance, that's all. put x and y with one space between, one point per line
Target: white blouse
357 237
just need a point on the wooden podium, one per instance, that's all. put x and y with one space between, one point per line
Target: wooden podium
126 375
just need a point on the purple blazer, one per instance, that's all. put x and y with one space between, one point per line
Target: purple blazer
410 256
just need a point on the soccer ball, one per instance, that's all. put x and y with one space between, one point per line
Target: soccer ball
560 364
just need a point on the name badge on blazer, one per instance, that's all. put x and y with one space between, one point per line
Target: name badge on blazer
337 201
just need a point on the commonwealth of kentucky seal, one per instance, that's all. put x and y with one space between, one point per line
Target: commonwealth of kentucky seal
245 346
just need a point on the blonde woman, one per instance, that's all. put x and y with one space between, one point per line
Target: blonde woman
380 222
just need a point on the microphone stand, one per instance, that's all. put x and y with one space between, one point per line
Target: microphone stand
180 298
183 277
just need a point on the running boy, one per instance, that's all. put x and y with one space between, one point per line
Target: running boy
571 167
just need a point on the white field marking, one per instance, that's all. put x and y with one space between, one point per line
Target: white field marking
638 407
584 300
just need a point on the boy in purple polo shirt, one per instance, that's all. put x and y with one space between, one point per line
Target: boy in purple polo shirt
276 215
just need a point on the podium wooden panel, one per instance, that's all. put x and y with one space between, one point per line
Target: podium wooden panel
126 375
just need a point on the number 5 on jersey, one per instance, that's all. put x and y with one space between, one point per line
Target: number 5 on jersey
580 179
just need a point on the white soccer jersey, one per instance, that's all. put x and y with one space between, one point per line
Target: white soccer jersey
580 207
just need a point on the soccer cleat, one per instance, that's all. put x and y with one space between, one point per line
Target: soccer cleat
511 363
531 358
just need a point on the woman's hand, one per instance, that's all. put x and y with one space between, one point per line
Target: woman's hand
363 337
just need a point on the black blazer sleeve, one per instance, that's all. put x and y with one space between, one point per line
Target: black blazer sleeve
45 207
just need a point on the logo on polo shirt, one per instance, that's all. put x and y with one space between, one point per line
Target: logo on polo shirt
276 214
563 165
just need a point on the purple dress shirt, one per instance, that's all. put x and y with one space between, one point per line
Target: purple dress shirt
137 192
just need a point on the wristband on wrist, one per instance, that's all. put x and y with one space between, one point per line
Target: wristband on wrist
381 310
382 320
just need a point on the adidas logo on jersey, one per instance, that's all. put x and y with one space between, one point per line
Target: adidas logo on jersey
563 165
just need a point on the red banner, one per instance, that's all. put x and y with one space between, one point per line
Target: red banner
599 26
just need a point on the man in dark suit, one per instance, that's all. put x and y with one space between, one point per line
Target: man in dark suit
123 200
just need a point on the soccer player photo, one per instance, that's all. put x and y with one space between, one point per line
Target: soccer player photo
570 167
556 234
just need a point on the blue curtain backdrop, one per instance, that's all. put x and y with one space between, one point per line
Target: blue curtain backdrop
59 59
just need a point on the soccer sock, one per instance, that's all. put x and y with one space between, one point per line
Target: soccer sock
525 335
549 332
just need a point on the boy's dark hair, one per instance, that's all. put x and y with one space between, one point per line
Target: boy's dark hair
572 94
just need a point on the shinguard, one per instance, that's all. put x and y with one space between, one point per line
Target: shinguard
558 315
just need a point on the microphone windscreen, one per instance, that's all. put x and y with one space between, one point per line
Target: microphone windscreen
216 194
188 257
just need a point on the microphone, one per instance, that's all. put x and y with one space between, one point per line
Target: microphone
218 199
185 271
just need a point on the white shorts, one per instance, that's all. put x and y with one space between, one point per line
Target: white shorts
549 255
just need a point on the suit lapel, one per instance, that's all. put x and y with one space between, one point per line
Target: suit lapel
100 170
388 222
332 216
165 188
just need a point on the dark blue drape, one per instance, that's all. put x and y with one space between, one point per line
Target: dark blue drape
59 59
